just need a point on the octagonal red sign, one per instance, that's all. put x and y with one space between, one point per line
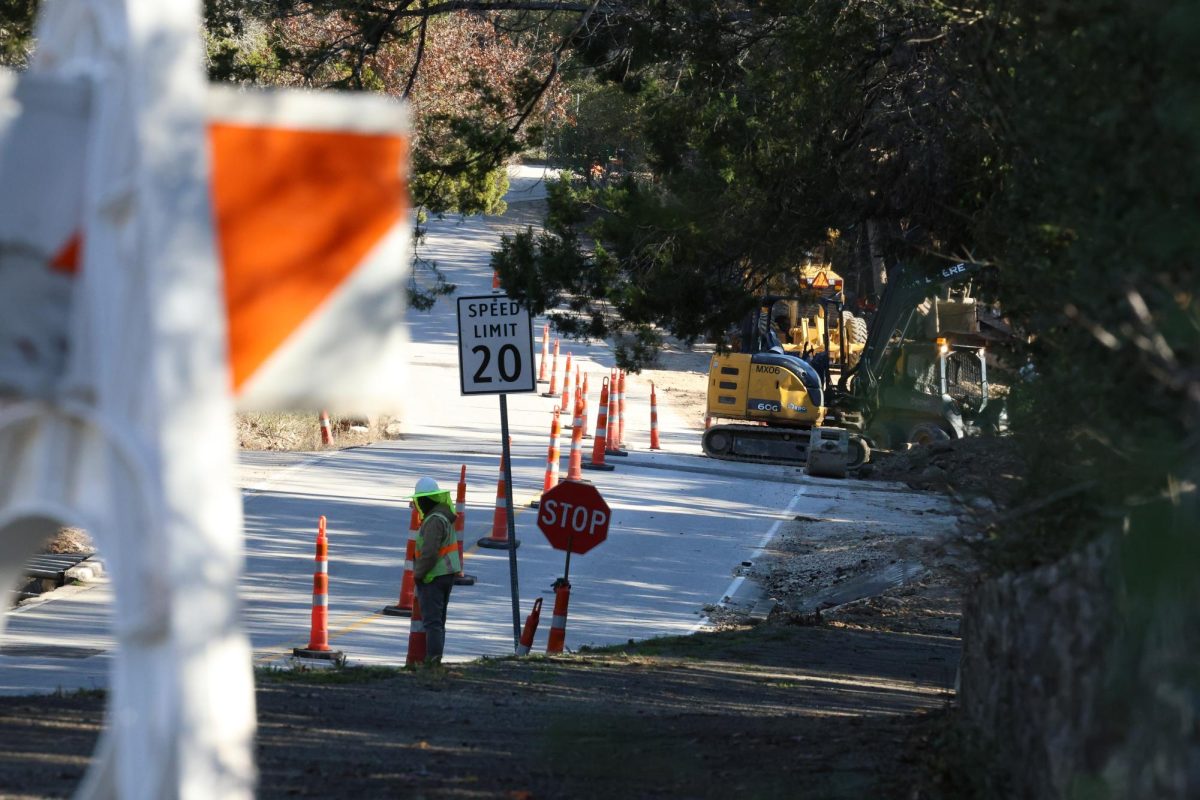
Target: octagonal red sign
574 516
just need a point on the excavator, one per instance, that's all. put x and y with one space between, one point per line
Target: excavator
787 399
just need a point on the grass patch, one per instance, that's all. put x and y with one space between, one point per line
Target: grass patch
325 677
701 645
81 694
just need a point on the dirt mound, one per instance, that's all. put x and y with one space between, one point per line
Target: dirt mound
70 540
984 467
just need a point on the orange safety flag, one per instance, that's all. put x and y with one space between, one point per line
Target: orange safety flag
311 212
312 218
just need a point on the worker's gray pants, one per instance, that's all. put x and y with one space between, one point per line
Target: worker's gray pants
434 597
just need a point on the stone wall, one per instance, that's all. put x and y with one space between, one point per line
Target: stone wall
1041 687
1034 649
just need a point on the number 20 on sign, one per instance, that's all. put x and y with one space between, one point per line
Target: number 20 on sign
495 346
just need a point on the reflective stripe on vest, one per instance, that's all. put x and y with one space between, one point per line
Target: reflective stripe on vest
447 562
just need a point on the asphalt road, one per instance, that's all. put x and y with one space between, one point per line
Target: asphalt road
682 524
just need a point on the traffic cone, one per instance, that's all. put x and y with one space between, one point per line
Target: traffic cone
566 394
586 435
318 638
326 429
416 637
558 623
553 390
654 443
601 442
612 446
530 629
552 456
545 353
404 605
621 410
460 524
495 280
575 466
498 540
708 421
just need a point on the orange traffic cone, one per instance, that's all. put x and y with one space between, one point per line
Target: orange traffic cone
318 639
498 539
601 442
530 629
495 280
621 410
460 524
416 637
613 447
552 456
326 429
586 435
553 390
558 623
545 353
654 444
575 466
566 394
404 605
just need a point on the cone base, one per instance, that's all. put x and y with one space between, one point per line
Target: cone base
551 394
605 467
621 453
304 652
397 611
495 544
464 580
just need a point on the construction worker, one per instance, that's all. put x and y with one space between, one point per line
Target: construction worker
436 562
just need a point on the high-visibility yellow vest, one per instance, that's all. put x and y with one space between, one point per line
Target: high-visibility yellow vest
441 530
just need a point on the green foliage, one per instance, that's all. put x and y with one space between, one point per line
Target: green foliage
761 128
16 32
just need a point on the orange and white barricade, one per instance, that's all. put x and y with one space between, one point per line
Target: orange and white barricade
404 605
416 637
530 629
558 623
654 443
318 639
600 444
575 466
460 526
545 353
552 391
498 538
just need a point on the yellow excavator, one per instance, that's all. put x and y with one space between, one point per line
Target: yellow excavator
775 382
788 394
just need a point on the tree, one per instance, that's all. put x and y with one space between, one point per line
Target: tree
16 31
764 127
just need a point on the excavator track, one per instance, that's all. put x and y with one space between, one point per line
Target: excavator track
760 444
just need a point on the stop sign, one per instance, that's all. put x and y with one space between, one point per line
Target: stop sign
574 517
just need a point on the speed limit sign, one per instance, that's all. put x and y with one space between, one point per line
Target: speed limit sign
495 346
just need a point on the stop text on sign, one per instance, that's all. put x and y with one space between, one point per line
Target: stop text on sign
571 517
495 346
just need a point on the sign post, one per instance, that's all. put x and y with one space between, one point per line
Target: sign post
495 356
